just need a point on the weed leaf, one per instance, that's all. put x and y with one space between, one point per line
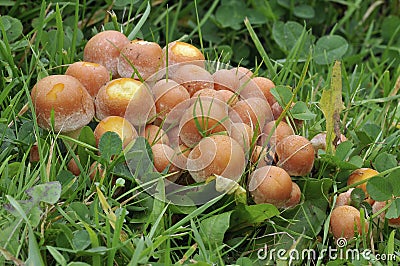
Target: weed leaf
331 105
214 227
379 188
110 144
329 48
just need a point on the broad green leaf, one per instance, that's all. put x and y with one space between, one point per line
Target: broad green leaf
307 218
282 94
372 130
356 161
231 15
335 161
393 179
379 188
12 26
243 261
49 192
385 161
250 215
357 197
343 150
214 227
304 11
331 105
110 144
394 209
80 210
31 210
78 263
286 34
68 182
81 240
300 111
329 48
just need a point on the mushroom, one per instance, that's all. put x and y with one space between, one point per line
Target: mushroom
296 155
117 124
93 76
145 56
67 98
270 184
104 49
345 220
216 155
127 98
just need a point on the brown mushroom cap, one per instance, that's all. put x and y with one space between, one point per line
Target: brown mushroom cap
262 156
243 134
72 104
295 196
168 94
254 112
265 85
377 206
92 75
344 219
181 52
155 135
127 98
104 49
193 78
145 56
281 131
119 125
204 117
216 155
344 198
359 175
225 79
164 156
296 155
270 184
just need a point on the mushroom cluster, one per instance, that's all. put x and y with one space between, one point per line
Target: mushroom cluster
199 121
345 218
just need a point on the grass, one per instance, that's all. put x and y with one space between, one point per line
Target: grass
104 223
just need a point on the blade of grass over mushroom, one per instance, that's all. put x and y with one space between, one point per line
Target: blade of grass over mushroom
331 105
260 49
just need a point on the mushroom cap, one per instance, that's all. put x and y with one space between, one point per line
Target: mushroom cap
117 124
270 184
128 98
216 155
181 52
91 75
72 104
104 49
343 221
281 131
145 56
296 155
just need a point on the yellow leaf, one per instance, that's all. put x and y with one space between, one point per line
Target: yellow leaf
331 105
